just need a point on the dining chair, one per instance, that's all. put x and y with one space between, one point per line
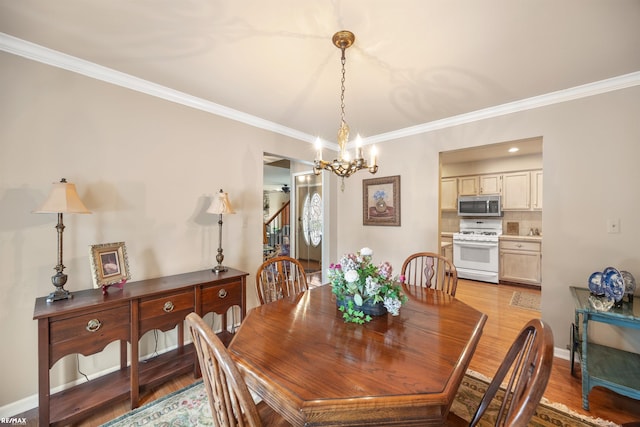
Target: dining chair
229 397
528 363
429 270
280 277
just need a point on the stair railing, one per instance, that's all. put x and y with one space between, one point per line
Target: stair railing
276 227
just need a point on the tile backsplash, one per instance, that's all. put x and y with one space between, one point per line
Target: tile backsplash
450 222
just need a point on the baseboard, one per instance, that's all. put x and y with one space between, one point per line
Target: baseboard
30 402
561 353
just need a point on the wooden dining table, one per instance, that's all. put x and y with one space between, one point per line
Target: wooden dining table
304 361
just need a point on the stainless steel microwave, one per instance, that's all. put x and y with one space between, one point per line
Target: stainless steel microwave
487 205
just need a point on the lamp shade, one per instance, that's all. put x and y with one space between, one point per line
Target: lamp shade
221 204
63 199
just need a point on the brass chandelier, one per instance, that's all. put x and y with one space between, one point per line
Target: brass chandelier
343 166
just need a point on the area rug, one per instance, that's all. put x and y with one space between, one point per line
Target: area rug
547 414
189 407
525 300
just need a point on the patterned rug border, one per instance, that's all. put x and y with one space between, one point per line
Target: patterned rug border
151 404
524 300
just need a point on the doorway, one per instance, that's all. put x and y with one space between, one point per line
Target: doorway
293 213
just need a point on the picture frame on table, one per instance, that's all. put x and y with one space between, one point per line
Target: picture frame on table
109 264
381 201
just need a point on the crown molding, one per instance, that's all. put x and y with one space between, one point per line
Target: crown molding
577 92
61 60
57 59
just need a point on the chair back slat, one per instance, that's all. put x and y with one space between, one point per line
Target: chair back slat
527 367
280 277
230 400
428 270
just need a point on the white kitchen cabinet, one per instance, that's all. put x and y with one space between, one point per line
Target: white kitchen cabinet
449 194
521 260
490 184
516 191
536 190
468 185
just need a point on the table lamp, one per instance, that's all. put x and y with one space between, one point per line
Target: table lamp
62 199
220 205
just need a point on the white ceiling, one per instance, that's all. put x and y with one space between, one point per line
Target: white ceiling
414 62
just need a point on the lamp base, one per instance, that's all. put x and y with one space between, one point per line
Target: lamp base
58 280
219 268
59 294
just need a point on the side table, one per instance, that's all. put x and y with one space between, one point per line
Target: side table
615 369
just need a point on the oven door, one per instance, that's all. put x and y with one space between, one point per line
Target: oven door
476 260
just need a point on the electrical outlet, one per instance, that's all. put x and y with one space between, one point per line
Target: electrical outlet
613 225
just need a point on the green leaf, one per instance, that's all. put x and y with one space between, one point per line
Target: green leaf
357 298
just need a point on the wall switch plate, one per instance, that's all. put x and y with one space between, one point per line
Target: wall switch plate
613 225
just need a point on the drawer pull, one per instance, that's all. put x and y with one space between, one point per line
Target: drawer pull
222 293
168 307
93 325
519 245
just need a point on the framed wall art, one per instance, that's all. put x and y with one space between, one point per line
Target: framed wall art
109 264
381 201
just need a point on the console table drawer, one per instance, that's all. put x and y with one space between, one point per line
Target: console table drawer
220 298
88 333
166 311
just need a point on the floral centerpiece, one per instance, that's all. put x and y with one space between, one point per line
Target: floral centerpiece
358 284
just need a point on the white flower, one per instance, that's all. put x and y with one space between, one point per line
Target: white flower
392 305
366 252
371 286
351 276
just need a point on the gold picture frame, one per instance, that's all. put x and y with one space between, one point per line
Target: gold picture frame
381 201
109 264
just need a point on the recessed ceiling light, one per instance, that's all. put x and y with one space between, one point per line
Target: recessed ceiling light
513 149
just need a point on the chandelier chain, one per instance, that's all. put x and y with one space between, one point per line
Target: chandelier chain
342 87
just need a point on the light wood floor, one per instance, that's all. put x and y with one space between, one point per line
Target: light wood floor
504 322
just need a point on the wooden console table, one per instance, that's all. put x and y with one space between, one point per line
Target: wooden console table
604 366
89 321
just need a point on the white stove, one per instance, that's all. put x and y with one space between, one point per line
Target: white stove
475 249
478 236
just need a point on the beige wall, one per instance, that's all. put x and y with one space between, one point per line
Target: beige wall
147 169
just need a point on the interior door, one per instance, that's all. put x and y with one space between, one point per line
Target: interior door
309 214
